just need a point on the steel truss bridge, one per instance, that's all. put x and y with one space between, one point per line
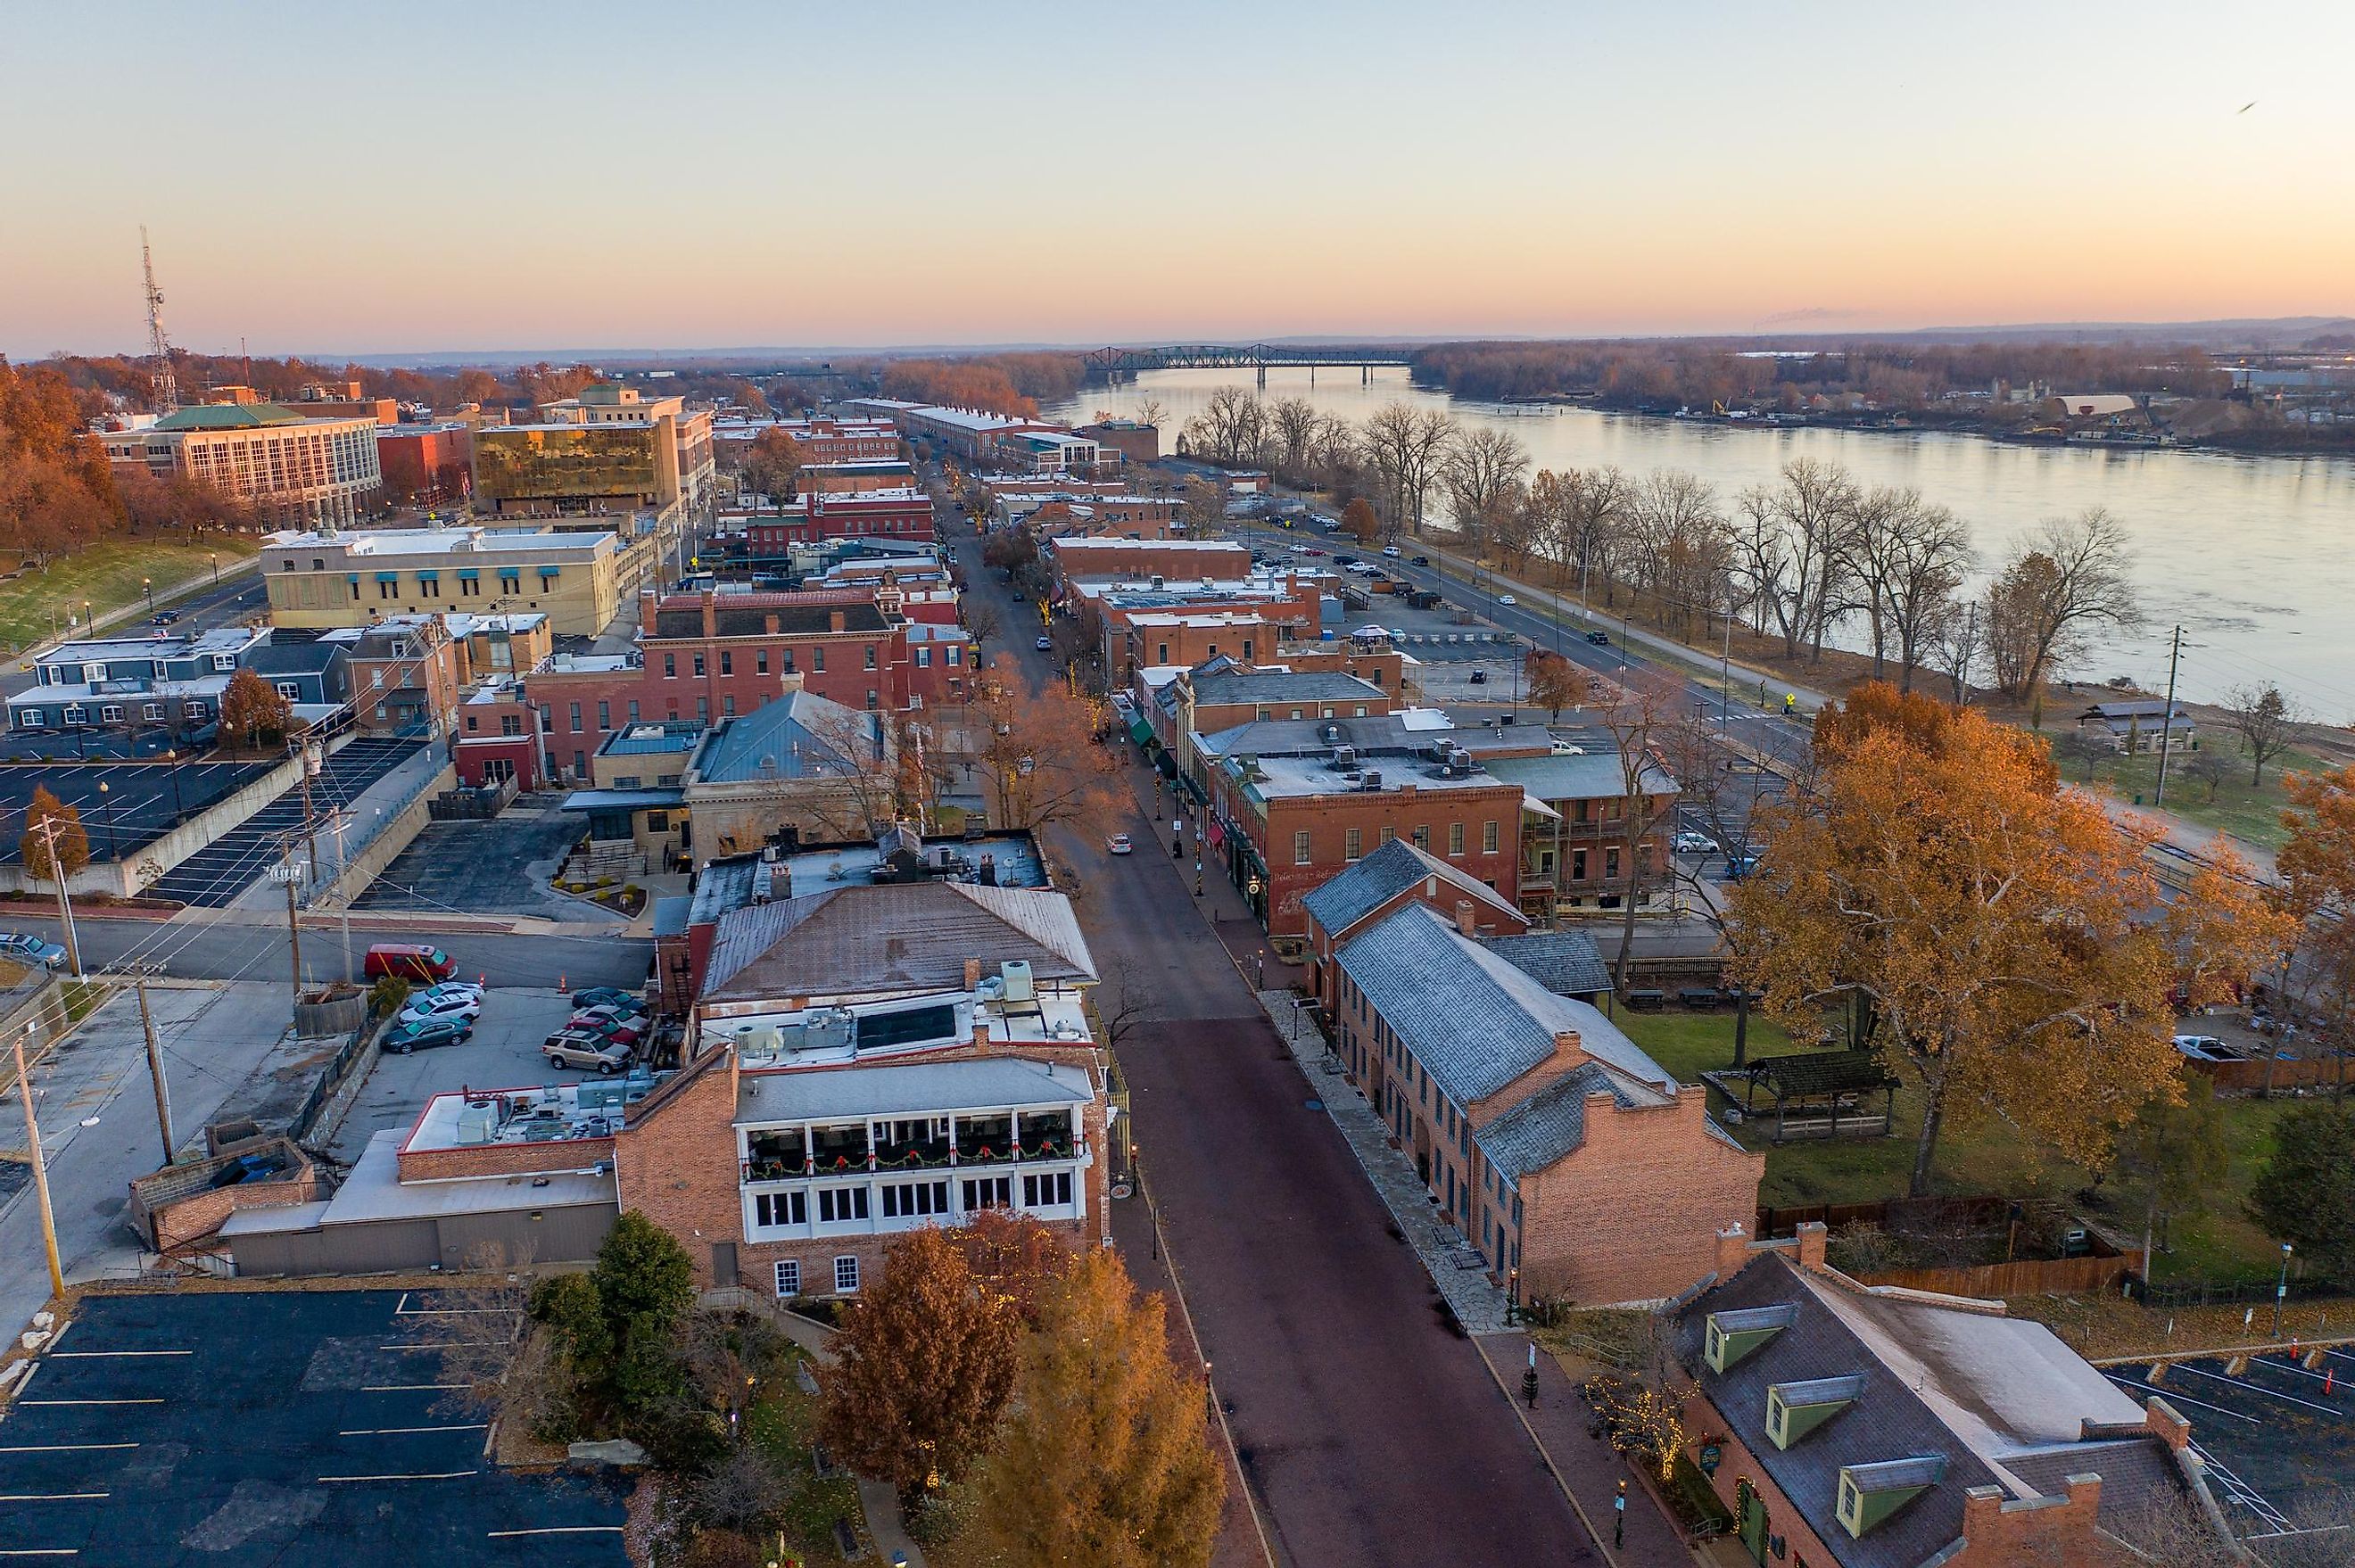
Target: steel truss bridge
1114 364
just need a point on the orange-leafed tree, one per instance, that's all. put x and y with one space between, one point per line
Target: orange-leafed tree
1038 759
772 465
1360 521
1106 1458
923 1367
2315 888
1014 1257
1995 933
1555 683
55 846
250 710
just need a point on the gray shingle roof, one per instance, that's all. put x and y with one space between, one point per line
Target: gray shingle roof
1549 1124
898 937
1283 686
1563 962
1342 901
795 736
1474 1021
922 1089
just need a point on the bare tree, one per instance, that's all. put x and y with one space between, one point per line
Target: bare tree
1761 554
1204 509
1230 429
1637 710
1681 546
1292 425
2058 584
1957 641
1151 411
1594 523
1922 571
2266 722
1484 473
981 620
2208 769
1122 999
1815 507
1407 448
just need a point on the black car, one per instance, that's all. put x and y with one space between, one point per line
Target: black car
1420 560
164 618
1598 638
424 1034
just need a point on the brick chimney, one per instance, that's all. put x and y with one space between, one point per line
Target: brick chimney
1811 1244
1732 1250
1467 920
981 1035
789 681
1568 1047
971 973
2161 1418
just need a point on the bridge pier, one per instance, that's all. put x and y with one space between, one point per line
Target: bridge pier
1365 375
1263 378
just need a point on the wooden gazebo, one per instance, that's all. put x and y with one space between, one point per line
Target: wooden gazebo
1814 1093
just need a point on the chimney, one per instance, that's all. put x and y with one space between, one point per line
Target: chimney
2161 1418
1468 921
971 973
2084 1493
981 1035
1568 1048
1982 1507
789 681
1733 1251
1811 1244
833 621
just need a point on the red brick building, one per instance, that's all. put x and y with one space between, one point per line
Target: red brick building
1140 559
868 1061
426 463
1866 1427
898 513
1577 1167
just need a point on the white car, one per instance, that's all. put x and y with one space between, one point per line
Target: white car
1695 844
1119 844
1506 598
1304 549
449 989
1392 551
452 1007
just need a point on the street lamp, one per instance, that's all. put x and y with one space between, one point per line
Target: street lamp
2281 1290
172 758
106 808
147 586
215 559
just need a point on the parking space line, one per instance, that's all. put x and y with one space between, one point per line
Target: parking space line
396 1431
102 1355
2174 1398
560 1530
63 1447
407 1388
90 1401
416 1475
408 1347
50 1497
2269 1393
40 1551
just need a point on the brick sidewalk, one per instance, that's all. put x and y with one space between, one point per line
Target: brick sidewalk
1586 1466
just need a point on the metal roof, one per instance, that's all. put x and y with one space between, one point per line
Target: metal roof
233 416
797 735
897 937
918 1090
1551 1122
1563 962
1359 890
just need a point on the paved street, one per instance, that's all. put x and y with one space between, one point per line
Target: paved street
1370 1433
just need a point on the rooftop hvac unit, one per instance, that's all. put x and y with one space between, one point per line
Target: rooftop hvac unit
1331 735
475 1123
1019 987
1373 779
825 1029
761 1040
1345 758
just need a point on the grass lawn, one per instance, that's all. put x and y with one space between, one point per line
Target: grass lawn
2221 1244
784 1423
2245 812
107 575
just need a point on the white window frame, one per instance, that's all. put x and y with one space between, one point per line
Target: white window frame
292 690
151 712
788 1277
846 1274
110 713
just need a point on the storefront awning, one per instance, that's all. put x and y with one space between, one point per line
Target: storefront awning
1139 730
1532 804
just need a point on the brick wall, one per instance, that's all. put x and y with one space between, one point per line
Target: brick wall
1329 818
201 1214
1737 1463
1633 1215
503 1160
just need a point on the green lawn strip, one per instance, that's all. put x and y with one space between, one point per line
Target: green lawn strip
2239 809
2220 1244
107 575
783 1422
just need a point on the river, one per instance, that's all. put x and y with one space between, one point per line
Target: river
2253 555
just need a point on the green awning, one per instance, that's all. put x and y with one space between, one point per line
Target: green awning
1139 730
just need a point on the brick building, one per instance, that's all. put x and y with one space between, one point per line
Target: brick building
856 477
820 438
1137 560
797 769
1573 1161
427 463
900 512
867 1061
1847 1427
1136 441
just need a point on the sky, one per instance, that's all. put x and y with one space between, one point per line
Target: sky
349 179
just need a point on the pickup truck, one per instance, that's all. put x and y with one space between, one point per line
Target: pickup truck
578 1048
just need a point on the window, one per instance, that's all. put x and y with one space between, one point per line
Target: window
871 656
1047 1191
727 662
728 706
33 718
1423 837
988 1192
1389 833
1611 863
1300 852
670 667
657 821
913 1200
634 710
781 1209
195 710
575 716
111 714
383 589
789 1276
605 716
817 661
152 711
761 661
1487 838
698 663
1456 838
703 710
846 1275
923 658
1353 843
1578 865
837 1204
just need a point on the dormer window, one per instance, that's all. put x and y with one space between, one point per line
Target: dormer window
1872 1494
1731 1335
224 661
1796 1409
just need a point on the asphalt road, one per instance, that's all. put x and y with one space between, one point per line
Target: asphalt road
1370 1434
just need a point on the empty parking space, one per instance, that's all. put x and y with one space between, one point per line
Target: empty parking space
503 866
277 1426
2274 1431
215 875
141 801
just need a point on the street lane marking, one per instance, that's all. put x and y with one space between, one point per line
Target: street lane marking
64 1447
400 1387
90 1401
48 1496
390 1431
417 1475
560 1530
100 1355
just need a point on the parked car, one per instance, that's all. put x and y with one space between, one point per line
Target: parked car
33 950
1695 844
627 1028
1600 639
407 961
164 618
1344 560
1045 645
1392 550
1119 844
449 989
424 1034
603 996
429 1005
1479 677
578 1048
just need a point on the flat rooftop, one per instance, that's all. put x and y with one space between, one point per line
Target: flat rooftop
549 1112
766 1035
1286 778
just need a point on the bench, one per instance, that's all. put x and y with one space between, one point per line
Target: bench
1647 1001
1698 999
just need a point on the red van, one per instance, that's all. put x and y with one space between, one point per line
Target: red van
408 962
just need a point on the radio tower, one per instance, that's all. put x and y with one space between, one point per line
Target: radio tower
162 392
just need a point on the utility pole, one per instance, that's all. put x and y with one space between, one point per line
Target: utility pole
339 825
40 1170
2167 719
155 1071
290 871
64 904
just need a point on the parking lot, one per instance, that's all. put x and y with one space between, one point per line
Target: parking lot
310 1426
142 801
504 1053
2277 1435
499 866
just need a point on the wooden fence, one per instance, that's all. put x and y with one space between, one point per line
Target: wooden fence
2026 1276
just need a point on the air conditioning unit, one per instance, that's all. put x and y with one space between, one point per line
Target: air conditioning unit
1373 779
828 1028
1345 758
1019 986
